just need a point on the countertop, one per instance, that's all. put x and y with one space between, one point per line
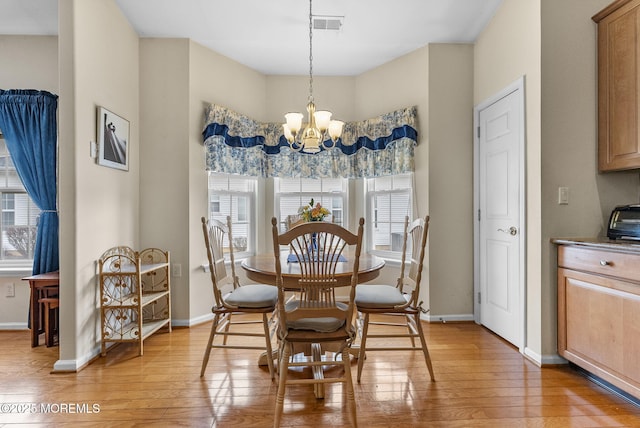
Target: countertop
621 245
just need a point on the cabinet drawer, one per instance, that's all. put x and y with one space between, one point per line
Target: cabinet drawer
605 262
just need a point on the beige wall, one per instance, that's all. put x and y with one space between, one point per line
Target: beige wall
451 181
98 205
438 80
397 84
180 79
29 62
569 143
164 157
213 78
23 60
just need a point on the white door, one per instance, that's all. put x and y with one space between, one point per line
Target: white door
500 212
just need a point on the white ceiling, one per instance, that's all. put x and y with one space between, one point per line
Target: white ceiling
272 36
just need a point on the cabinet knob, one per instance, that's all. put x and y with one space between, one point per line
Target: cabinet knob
604 263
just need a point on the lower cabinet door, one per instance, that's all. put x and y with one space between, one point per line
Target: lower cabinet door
599 326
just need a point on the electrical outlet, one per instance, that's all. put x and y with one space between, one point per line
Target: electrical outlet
10 290
176 270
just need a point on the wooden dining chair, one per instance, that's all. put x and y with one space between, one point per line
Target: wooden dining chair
231 298
401 299
50 304
313 318
293 220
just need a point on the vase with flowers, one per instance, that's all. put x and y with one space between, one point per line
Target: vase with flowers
311 212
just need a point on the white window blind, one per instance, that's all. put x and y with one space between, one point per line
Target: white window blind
234 196
292 193
389 200
19 215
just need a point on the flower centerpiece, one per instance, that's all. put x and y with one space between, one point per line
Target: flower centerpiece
311 212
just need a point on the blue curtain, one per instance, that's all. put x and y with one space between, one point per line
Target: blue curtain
28 122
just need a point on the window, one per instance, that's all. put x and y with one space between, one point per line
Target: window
389 200
232 195
18 215
292 193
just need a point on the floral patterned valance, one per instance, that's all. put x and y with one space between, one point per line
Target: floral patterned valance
237 144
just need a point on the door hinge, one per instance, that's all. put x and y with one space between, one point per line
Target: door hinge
478 215
479 298
478 128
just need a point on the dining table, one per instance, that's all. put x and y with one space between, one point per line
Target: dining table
261 268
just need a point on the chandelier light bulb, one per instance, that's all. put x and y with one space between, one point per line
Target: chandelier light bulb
294 122
287 133
335 129
323 117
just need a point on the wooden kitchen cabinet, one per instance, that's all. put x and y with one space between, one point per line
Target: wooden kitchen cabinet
599 313
618 86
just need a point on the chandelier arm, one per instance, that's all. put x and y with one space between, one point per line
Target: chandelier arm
324 143
296 146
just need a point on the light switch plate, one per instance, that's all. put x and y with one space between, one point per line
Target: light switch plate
10 290
563 195
176 270
93 149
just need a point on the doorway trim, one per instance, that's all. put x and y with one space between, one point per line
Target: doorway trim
518 85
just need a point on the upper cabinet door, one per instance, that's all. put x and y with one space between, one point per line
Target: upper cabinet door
618 85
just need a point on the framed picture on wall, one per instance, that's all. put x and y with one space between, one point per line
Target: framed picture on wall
113 140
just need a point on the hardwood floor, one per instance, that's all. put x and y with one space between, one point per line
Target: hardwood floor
481 381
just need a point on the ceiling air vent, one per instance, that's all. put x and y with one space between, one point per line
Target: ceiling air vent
327 22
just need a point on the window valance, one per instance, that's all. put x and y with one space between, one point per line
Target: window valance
237 144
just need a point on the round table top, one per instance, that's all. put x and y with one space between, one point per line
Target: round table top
261 268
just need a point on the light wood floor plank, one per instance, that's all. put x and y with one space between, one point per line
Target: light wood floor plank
481 381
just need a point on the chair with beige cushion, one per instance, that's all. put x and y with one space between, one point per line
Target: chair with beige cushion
231 298
293 220
400 300
313 318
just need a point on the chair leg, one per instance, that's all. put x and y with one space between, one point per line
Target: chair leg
351 402
49 323
407 320
226 328
267 336
425 350
363 344
49 316
283 368
207 352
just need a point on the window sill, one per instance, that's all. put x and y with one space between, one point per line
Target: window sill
15 271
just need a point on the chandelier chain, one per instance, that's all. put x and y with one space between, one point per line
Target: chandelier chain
310 53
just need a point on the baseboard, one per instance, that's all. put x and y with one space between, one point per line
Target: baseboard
74 366
447 318
192 321
13 326
544 360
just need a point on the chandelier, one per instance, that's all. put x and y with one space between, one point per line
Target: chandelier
320 125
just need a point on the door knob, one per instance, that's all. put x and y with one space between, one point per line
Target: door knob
513 231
